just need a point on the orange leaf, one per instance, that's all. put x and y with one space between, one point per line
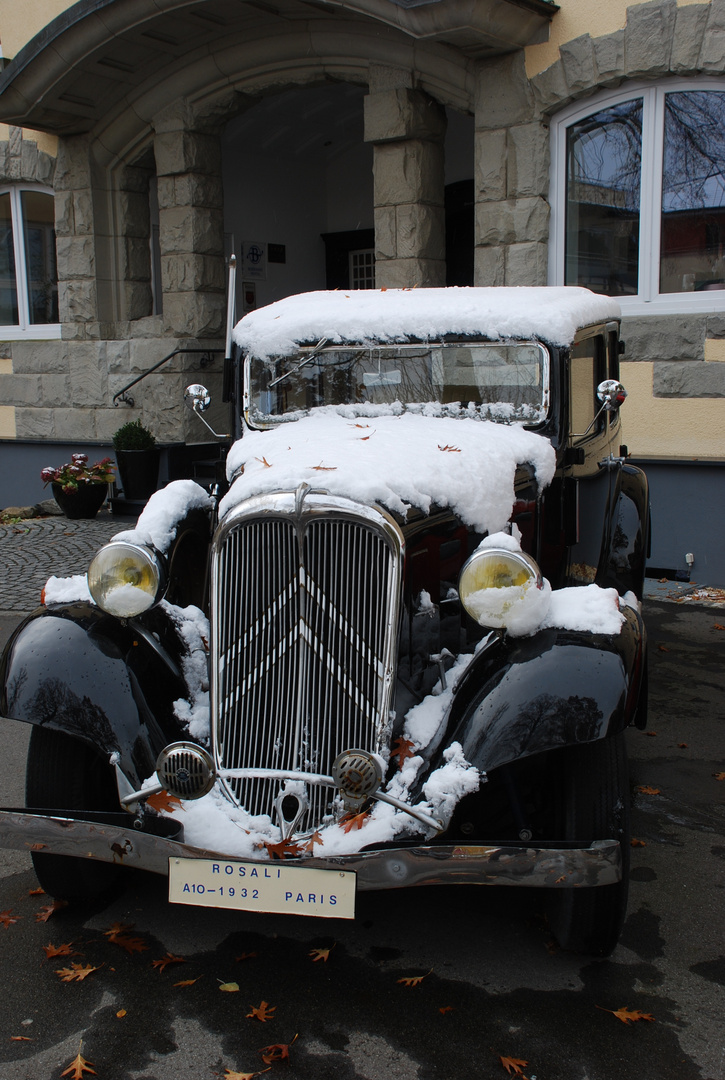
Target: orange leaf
20 1038
263 461
637 843
719 775
51 951
121 1013
229 1074
285 849
627 1016
324 468
445 1009
36 892
353 821
7 917
130 944
513 1066
50 909
647 789
309 845
76 972
116 929
450 449
163 801
262 1012
321 954
662 648
78 1066
402 750
162 964
413 980
718 626
276 1052
188 982
652 734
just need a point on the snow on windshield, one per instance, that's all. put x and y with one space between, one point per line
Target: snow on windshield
551 314
398 461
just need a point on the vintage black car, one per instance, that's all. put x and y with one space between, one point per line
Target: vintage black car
400 645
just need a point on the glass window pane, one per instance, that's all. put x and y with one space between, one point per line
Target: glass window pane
39 227
692 246
8 287
604 158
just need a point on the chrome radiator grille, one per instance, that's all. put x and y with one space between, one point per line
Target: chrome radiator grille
304 620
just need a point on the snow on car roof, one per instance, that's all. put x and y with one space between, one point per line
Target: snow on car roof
553 314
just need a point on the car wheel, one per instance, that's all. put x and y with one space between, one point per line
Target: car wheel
594 805
66 774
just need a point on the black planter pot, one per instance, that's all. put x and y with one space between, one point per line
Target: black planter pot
138 472
83 503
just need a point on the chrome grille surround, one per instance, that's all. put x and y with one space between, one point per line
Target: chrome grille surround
305 602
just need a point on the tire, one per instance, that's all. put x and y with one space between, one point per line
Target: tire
66 774
594 805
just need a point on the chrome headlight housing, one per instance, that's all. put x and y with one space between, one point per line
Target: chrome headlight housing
499 587
125 579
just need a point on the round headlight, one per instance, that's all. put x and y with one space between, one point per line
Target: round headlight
124 579
499 587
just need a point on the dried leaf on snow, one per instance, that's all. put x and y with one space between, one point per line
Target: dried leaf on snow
324 468
402 750
353 821
285 849
163 801
262 1012
450 449
78 1066
628 1016
164 962
77 972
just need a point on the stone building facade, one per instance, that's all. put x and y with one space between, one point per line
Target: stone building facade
174 133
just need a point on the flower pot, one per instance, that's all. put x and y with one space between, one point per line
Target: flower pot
138 471
83 503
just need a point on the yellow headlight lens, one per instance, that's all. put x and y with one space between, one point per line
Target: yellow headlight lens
496 584
124 580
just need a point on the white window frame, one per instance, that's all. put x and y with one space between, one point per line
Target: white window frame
24 329
648 301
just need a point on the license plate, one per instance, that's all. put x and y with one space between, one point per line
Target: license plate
269 887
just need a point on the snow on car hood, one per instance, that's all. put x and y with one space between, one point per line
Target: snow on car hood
553 314
398 461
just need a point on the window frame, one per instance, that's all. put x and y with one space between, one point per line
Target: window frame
648 300
24 330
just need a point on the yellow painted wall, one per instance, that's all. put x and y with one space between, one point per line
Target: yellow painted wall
691 428
577 17
21 20
7 422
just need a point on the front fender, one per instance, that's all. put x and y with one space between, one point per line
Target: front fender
105 681
523 696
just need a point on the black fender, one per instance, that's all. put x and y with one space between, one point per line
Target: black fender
556 688
108 682
625 544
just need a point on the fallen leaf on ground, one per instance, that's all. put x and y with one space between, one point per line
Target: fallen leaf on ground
7 918
163 801
188 982
627 1016
36 892
413 980
652 734
121 1013
262 1012
229 1074
445 1009
129 944
276 1052
662 648
78 1066
164 962
321 954
50 909
513 1066
719 775
20 1038
229 988
77 972
718 626
116 929
51 951
647 789
634 842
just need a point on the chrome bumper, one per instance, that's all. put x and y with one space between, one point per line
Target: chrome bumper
392 868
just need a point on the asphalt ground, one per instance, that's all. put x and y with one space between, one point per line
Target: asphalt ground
493 982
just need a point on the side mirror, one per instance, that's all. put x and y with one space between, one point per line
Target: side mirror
198 399
611 394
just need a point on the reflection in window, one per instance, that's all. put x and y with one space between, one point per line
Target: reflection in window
693 193
28 272
604 154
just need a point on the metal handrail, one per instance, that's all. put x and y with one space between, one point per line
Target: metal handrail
125 397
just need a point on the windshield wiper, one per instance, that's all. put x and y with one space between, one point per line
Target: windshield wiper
293 371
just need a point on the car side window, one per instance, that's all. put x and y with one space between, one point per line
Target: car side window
586 371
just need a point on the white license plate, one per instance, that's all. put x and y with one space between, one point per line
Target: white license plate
270 887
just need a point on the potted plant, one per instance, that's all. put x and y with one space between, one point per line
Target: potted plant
80 489
137 457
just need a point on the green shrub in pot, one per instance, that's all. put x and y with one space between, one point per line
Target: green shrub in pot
137 457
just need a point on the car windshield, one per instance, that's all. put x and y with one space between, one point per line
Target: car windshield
498 381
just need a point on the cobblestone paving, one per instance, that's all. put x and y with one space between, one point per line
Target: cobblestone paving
31 551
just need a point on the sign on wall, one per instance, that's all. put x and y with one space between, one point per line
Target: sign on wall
254 260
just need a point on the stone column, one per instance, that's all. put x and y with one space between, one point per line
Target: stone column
511 177
191 232
407 128
75 239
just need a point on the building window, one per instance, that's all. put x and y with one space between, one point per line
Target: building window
638 196
28 272
362 269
